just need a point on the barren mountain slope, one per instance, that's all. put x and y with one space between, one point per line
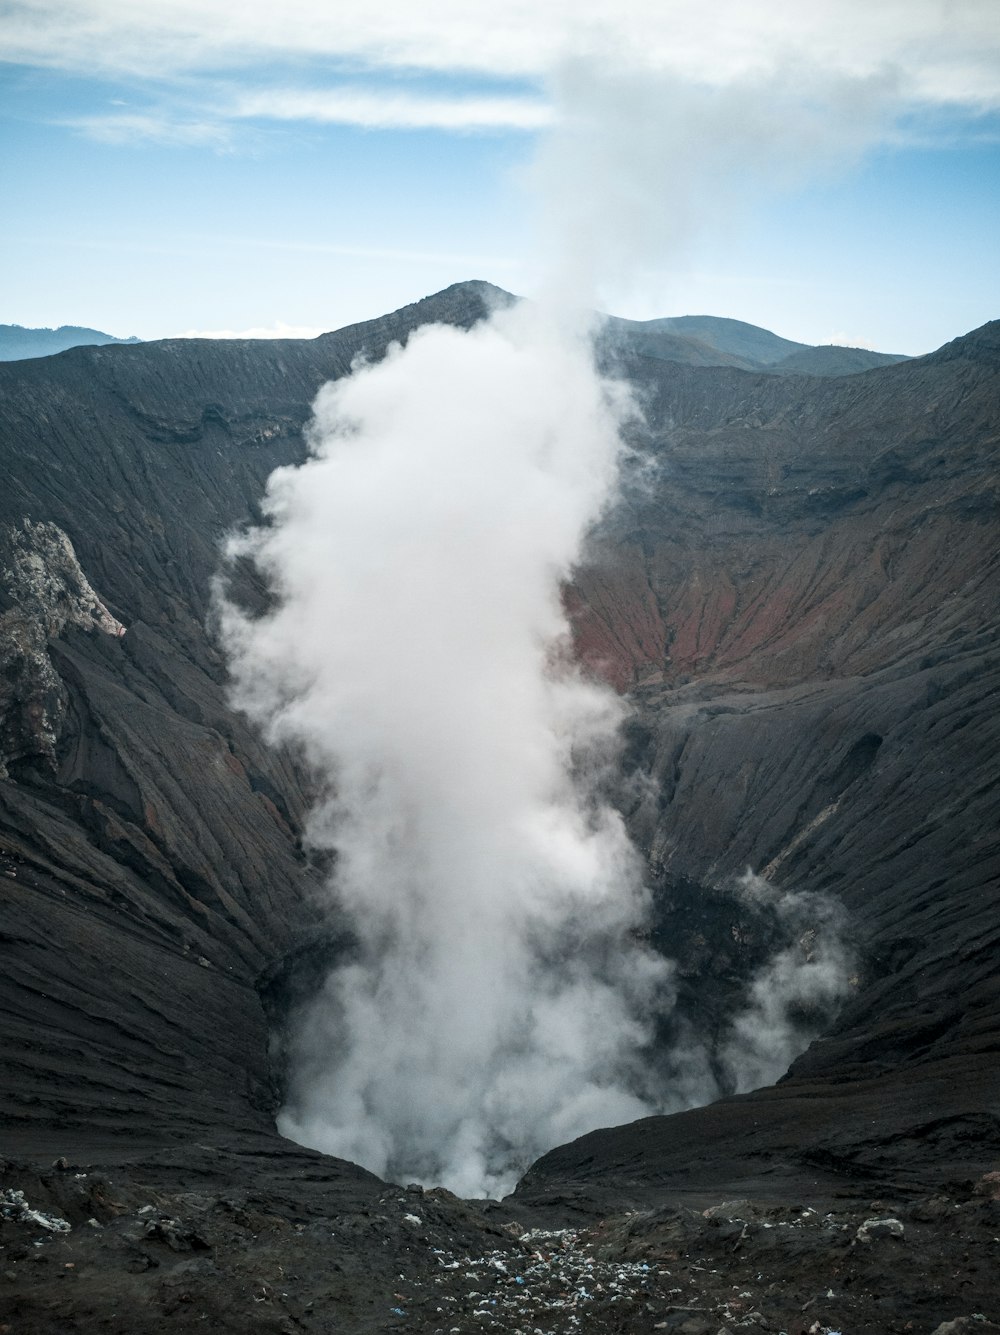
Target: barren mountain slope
150 843
806 609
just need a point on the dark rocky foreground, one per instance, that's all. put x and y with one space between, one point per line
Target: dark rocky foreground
284 1242
800 594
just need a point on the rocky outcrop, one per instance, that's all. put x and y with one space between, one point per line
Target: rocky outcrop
42 592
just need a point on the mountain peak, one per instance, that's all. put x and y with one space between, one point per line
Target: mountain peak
979 345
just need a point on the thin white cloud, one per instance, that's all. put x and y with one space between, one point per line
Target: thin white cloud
940 52
150 128
277 330
196 244
393 255
367 108
380 110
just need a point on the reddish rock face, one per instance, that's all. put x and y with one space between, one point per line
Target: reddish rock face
798 528
804 612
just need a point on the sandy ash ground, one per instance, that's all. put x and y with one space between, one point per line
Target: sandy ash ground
89 1250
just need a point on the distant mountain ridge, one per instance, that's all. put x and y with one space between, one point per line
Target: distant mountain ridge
737 337
711 340
17 343
689 340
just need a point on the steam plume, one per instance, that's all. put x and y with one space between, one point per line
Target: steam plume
500 1000
418 652
797 992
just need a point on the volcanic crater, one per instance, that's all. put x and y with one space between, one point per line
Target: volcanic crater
797 593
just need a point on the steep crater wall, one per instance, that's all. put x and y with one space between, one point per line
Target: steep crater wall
799 593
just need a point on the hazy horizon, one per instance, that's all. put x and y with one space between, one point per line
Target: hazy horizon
183 169
283 331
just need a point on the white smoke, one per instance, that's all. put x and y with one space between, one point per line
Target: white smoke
637 167
418 652
793 997
500 999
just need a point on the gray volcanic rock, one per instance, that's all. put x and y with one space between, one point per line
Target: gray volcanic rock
798 591
43 591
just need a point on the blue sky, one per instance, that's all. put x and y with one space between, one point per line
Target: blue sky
823 170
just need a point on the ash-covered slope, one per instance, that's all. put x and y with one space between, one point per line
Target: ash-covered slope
801 595
805 606
149 843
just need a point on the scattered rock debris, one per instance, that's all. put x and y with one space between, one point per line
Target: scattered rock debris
879 1228
14 1206
553 1283
81 1253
